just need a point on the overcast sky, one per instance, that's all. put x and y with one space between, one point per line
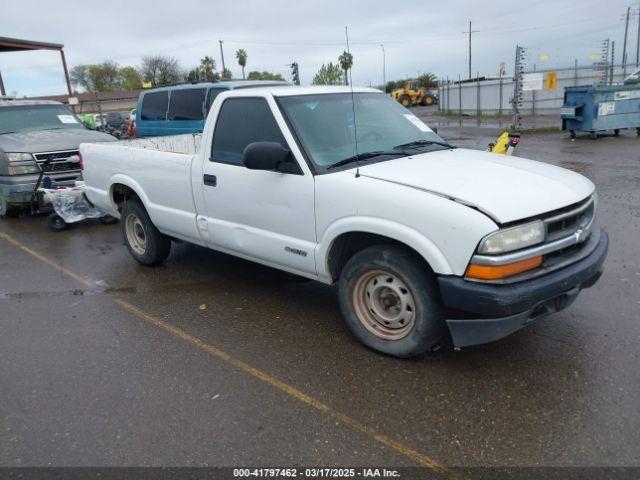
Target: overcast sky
417 36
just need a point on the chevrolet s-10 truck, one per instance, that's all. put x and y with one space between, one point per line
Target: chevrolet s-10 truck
430 245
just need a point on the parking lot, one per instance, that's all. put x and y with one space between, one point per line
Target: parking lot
212 360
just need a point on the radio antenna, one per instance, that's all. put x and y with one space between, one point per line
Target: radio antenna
353 105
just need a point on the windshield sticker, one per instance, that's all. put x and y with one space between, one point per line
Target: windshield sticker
67 119
417 122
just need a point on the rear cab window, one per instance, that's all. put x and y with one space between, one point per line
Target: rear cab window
242 121
155 105
211 96
186 104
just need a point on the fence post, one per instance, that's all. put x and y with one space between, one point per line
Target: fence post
500 99
533 96
459 96
448 95
575 73
478 94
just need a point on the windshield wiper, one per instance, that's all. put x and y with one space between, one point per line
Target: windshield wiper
422 143
365 156
6 133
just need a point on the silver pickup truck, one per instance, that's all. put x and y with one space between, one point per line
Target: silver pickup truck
33 132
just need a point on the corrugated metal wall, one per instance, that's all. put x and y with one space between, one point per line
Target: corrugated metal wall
492 97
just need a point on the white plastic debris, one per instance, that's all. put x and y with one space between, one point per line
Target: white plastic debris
71 204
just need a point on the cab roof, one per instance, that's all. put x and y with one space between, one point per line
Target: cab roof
278 91
5 102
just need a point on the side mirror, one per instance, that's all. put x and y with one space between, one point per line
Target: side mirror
269 156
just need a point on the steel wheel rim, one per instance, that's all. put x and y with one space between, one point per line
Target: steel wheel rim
136 234
384 305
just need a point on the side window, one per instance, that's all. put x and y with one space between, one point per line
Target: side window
154 106
213 93
186 104
242 121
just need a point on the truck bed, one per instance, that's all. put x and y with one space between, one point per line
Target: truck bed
186 144
158 169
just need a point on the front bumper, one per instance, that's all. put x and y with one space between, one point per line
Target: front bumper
19 189
503 309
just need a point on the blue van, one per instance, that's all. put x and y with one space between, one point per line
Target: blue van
179 109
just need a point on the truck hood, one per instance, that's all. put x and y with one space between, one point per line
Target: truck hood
504 187
51 140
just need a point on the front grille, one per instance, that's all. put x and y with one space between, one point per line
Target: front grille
58 161
569 222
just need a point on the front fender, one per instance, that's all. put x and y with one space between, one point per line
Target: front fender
378 226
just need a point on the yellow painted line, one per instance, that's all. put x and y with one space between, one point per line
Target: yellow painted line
414 455
51 263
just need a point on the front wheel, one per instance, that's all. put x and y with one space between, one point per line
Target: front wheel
144 241
56 223
405 100
6 210
390 302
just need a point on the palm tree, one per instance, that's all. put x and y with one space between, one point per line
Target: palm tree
346 62
241 55
208 69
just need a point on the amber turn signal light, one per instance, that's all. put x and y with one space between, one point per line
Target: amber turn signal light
497 272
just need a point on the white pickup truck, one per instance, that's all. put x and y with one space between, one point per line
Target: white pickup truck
430 245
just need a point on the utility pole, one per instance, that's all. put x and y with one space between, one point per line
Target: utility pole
470 31
384 70
624 45
222 56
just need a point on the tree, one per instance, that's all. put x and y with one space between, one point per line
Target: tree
160 70
208 69
264 75
328 74
80 76
346 62
241 55
226 74
104 77
193 75
130 78
428 80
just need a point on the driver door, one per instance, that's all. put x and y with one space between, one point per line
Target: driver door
265 216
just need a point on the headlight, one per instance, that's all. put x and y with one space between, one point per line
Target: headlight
21 164
19 157
513 238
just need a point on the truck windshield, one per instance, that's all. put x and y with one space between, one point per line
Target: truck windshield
325 126
31 118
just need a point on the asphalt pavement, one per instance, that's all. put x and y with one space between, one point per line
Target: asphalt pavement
212 360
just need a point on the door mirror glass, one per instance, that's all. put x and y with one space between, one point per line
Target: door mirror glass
267 156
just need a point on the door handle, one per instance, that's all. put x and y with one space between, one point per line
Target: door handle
210 180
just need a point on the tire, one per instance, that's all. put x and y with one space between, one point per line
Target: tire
390 302
6 210
108 220
405 100
56 223
143 240
427 100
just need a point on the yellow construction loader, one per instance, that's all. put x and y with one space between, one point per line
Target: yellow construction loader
412 95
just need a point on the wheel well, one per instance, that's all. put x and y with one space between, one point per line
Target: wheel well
348 244
121 193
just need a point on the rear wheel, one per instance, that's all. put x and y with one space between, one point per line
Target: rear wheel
390 301
405 100
144 241
427 100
